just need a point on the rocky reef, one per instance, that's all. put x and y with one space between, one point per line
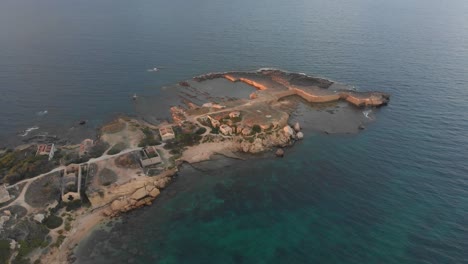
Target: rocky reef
312 89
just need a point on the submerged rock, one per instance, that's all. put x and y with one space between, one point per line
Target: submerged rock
279 153
297 127
299 135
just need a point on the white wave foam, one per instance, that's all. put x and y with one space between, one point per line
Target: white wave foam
267 69
155 69
366 113
26 132
42 113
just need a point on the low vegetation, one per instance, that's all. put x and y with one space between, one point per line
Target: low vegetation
98 149
23 164
107 177
53 221
33 235
4 251
149 139
200 131
117 148
256 129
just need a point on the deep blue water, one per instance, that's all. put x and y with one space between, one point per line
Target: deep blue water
395 193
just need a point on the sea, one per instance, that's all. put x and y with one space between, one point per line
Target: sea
396 192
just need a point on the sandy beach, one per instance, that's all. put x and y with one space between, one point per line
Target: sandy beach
204 151
82 226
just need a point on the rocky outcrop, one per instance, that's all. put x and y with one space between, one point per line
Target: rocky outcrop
279 153
178 114
312 89
184 84
281 138
297 127
133 194
288 131
299 135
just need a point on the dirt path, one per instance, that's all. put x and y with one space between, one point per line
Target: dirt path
20 199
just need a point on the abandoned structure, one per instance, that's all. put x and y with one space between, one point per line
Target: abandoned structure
71 182
225 129
46 150
149 157
167 133
86 146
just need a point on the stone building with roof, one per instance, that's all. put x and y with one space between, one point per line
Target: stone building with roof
167 133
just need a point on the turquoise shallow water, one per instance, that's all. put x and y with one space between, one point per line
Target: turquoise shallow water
395 193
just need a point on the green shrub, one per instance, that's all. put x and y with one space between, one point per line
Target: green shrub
200 131
4 251
256 129
67 226
117 148
59 241
53 221
73 205
149 139
98 149
215 130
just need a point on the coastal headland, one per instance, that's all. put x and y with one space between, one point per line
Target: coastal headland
52 195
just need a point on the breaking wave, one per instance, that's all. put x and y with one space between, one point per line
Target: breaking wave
26 132
42 113
366 113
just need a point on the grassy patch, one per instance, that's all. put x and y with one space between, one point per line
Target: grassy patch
4 251
117 148
18 165
107 177
149 139
98 149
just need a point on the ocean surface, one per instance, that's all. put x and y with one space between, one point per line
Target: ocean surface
395 193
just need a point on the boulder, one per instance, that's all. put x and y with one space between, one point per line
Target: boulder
7 212
279 153
289 131
361 127
161 183
245 146
246 131
257 146
13 244
149 187
118 205
184 84
39 218
155 192
139 194
300 135
297 127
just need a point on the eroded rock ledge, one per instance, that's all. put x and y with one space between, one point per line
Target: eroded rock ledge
312 89
131 195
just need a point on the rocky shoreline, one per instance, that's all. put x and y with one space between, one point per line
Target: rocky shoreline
132 161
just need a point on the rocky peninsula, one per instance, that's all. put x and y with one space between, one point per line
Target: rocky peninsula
52 195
